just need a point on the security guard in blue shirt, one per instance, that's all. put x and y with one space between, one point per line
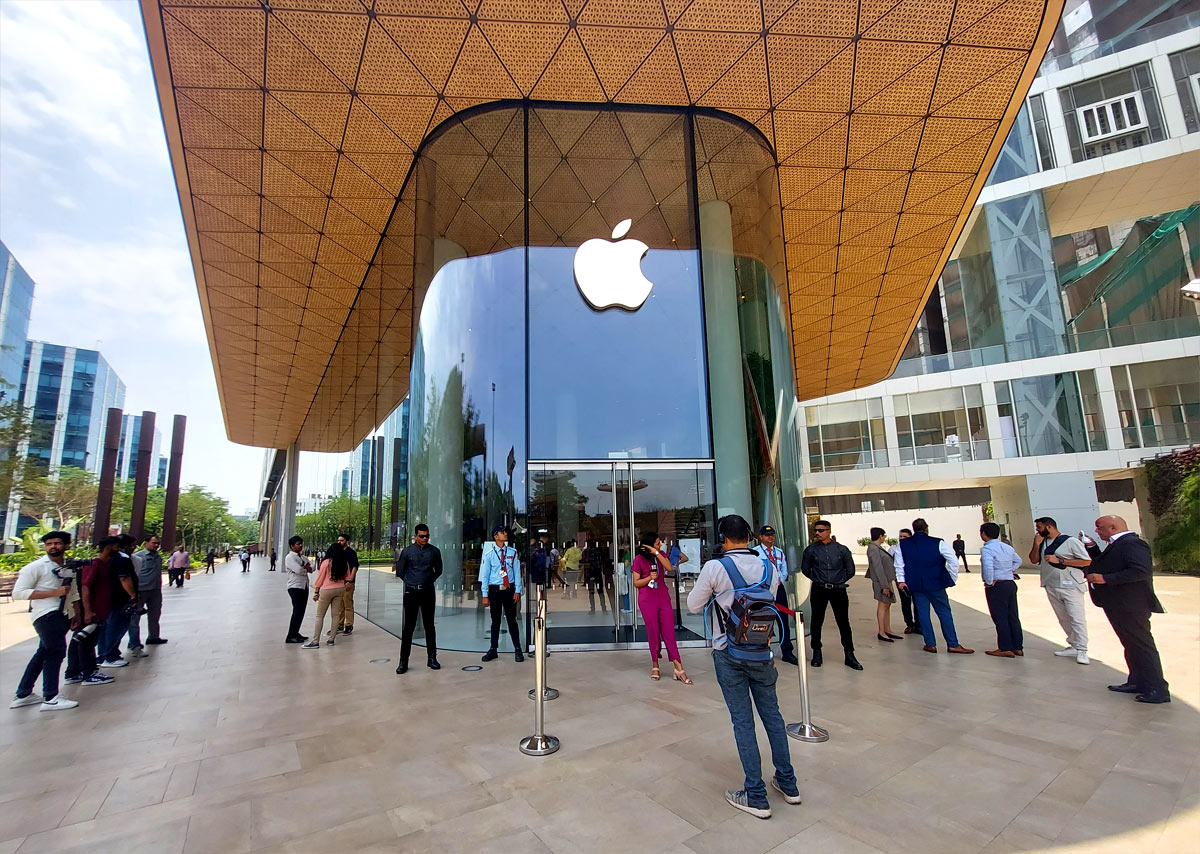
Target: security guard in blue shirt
767 551
500 584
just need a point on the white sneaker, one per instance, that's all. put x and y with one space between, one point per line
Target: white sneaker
120 662
1082 658
1068 652
58 704
27 700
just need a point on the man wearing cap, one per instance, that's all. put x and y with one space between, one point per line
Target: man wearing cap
500 585
778 560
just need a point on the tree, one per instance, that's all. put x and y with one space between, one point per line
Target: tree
19 429
72 493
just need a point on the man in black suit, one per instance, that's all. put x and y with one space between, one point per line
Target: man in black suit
1121 580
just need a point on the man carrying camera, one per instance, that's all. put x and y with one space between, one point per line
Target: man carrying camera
46 585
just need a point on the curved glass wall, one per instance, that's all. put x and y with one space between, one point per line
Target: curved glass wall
531 406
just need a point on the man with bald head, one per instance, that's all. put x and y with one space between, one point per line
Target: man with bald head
1121 579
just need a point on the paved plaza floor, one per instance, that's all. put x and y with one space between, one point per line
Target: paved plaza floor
226 741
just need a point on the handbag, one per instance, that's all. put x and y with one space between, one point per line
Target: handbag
187 574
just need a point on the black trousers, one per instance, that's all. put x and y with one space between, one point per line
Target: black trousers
504 600
81 655
785 640
1002 605
299 604
420 599
1141 655
839 600
911 619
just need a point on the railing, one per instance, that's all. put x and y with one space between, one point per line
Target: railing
1086 53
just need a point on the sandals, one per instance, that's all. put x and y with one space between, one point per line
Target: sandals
681 676
654 673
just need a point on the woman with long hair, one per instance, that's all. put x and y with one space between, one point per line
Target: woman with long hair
650 568
882 572
327 593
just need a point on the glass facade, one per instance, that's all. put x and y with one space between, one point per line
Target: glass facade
16 302
941 426
530 406
1159 402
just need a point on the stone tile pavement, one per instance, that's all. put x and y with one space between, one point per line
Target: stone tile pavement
226 741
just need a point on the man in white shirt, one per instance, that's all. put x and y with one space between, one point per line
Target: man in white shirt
296 569
925 567
1063 560
46 584
741 679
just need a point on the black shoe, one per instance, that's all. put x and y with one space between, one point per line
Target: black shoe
295 640
1158 695
519 656
490 655
156 641
790 658
895 637
816 659
402 667
852 662
432 664
1125 688
884 639
349 630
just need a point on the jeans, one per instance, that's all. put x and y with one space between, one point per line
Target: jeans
922 599
419 599
1002 605
112 631
52 648
502 600
299 597
135 632
740 681
81 655
839 600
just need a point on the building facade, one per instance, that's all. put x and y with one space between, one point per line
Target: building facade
16 303
1058 350
130 452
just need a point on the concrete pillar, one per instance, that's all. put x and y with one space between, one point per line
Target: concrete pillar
141 483
286 498
726 384
1109 410
174 470
108 476
1067 497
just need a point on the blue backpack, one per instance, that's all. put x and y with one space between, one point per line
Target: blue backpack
752 615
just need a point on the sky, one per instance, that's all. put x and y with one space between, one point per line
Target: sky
89 208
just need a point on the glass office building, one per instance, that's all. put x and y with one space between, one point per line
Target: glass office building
16 302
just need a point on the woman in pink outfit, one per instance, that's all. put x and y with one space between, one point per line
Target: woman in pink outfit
650 568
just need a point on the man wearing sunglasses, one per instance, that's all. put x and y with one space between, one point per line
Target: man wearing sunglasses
830 566
419 566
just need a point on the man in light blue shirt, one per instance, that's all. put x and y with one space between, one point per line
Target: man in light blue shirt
998 565
778 560
500 586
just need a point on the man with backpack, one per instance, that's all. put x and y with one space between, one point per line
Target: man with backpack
739 589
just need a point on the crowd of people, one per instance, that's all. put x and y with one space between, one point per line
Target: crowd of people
82 611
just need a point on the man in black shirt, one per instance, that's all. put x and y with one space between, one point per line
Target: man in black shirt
830 566
419 567
960 551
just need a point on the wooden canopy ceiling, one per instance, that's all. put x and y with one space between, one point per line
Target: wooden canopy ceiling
292 125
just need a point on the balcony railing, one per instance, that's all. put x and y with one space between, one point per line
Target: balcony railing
1086 53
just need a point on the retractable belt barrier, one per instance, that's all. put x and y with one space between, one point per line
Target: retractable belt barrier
539 744
805 729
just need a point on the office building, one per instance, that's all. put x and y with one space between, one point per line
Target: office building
130 451
16 302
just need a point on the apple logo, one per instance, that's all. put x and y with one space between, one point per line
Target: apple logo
609 273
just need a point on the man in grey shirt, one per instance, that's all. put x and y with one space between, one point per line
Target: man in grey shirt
148 564
1062 560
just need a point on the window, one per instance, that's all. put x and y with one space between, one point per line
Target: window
1112 113
1093 418
1185 68
941 426
846 436
1041 132
1008 420
1159 402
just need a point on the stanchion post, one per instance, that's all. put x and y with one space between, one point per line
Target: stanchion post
805 730
539 641
539 744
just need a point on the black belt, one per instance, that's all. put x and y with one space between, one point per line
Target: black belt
825 586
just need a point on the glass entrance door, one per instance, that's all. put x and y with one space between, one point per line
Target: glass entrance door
592 515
